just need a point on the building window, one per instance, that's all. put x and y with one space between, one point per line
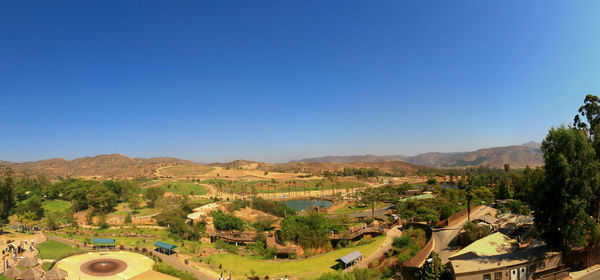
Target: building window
497 275
542 265
487 277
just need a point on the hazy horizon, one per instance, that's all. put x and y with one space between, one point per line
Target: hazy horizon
277 81
285 161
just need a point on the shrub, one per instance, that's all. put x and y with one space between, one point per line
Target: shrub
167 269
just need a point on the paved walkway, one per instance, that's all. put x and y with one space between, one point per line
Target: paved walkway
446 238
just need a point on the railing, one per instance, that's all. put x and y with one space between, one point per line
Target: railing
355 234
235 236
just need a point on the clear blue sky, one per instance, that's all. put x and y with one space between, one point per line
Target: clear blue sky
280 80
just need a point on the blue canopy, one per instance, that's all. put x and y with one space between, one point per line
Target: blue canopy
164 245
103 241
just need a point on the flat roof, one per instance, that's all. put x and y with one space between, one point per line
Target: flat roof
421 196
491 245
487 263
164 245
351 257
103 241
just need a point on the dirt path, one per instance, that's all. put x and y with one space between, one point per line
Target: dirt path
384 248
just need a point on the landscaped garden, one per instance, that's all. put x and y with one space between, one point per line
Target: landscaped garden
240 266
51 249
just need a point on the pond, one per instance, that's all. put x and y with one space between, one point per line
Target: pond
303 204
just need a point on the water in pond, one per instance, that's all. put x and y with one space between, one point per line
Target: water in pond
303 204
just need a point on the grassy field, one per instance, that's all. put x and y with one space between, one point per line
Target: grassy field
55 205
183 188
355 208
295 186
240 266
185 170
53 249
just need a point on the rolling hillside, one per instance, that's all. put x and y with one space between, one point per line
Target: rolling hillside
102 166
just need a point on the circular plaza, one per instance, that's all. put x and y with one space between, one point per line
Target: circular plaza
105 265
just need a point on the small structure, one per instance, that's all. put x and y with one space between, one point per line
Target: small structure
488 221
28 262
55 274
350 259
104 243
164 248
497 256
13 273
32 274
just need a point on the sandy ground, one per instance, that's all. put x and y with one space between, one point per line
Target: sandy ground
136 264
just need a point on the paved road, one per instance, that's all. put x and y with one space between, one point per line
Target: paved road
445 238
591 276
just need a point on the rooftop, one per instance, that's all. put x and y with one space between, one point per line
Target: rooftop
164 245
421 196
491 245
103 241
488 219
351 257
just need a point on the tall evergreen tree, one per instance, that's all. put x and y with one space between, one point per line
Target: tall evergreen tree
562 202
7 198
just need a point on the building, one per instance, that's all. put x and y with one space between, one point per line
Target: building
202 212
498 257
350 259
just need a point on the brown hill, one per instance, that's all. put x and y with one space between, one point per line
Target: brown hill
517 156
102 166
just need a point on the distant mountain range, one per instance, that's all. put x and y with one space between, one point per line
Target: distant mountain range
120 166
518 156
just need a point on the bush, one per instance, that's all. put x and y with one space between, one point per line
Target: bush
224 221
167 269
472 232
220 244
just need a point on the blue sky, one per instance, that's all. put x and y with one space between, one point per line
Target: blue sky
281 80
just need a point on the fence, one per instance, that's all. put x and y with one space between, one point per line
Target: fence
582 258
418 259
452 220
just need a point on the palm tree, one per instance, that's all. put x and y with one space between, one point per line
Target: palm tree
469 191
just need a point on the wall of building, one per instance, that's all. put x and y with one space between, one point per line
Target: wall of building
551 262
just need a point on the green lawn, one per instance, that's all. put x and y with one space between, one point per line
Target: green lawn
146 211
183 188
55 205
185 170
54 249
241 266
3 278
355 208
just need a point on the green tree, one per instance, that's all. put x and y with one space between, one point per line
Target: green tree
7 199
33 205
101 198
432 269
153 194
562 202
